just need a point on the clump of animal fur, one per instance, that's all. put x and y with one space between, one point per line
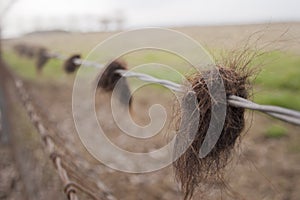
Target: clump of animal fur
70 65
110 78
191 170
42 59
25 50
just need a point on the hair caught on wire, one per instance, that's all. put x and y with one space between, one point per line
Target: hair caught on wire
70 65
192 171
110 78
42 59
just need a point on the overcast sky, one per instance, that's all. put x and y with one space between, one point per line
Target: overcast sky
28 15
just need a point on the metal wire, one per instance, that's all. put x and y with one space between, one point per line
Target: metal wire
284 114
49 145
76 61
287 115
144 77
267 108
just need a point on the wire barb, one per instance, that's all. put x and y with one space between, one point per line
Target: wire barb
71 187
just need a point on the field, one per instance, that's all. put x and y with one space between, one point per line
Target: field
265 164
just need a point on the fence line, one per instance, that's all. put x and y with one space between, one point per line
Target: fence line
70 187
284 114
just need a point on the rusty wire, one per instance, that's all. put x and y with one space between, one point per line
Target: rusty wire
70 187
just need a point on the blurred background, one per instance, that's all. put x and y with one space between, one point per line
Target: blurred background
265 163
27 16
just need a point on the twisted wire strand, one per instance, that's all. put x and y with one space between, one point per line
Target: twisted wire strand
287 115
76 61
266 108
284 114
147 78
57 159
48 142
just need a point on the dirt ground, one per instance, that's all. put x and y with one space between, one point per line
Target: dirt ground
261 168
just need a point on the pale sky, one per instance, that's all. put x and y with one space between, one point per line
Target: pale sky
29 15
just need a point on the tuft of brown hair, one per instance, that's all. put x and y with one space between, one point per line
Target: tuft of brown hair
191 170
110 78
69 65
42 59
25 50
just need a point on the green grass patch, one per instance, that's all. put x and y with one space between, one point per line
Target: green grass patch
284 98
276 131
21 66
26 68
280 71
278 83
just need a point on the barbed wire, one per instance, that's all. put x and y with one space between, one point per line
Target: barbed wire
76 61
284 114
70 187
147 78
